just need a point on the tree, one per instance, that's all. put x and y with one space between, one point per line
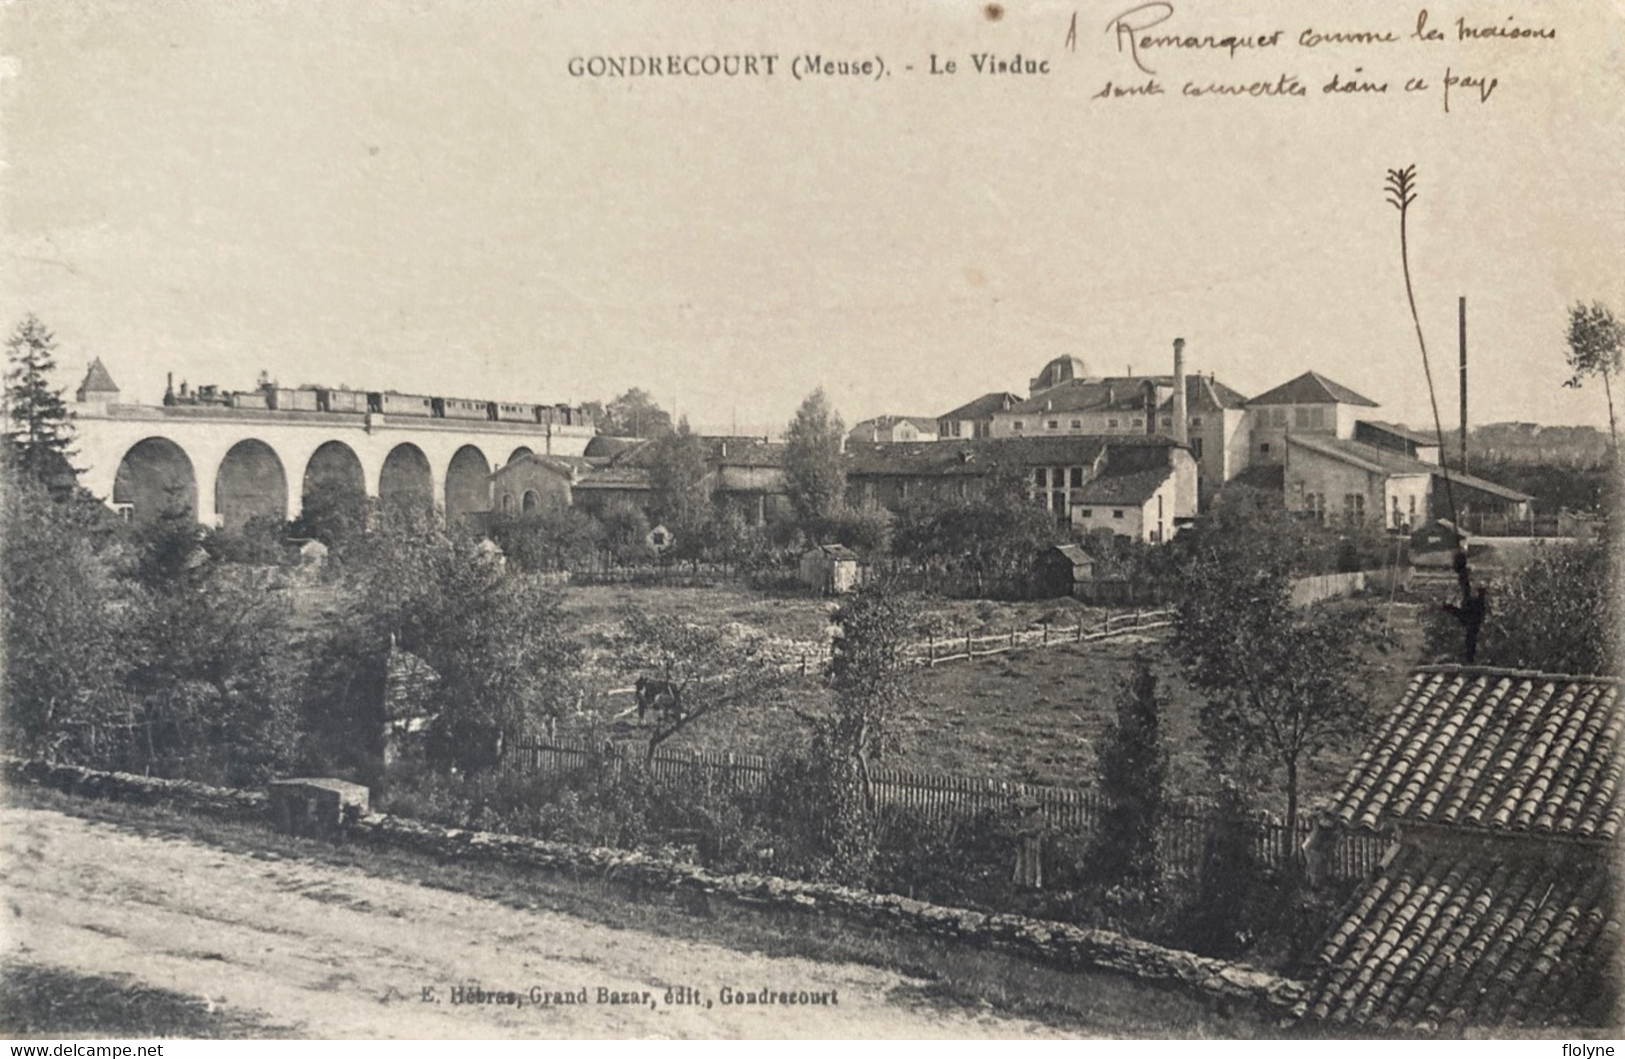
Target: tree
1596 349
1282 684
700 669
39 426
626 529
1133 765
499 644
634 414
65 622
1556 614
837 826
678 475
814 476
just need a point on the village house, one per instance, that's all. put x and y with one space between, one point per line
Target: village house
975 419
885 429
534 485
1053 471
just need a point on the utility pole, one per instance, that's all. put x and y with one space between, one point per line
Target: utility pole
1461 328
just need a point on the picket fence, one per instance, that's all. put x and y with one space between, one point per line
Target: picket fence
935 652
944 798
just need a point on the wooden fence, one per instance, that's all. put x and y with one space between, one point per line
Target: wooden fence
941 797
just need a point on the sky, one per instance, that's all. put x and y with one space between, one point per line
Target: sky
419 196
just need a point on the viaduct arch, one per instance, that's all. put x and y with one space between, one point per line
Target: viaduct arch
228 466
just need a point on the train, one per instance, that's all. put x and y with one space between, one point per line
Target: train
270 397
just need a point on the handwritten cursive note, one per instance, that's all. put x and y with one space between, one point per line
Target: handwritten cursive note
1453 58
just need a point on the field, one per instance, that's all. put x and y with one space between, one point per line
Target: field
1034 716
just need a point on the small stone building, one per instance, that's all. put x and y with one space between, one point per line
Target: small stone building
831 569
1060 569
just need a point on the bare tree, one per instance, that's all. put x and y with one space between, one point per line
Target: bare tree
1596 348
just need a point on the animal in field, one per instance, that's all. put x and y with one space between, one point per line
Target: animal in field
663 697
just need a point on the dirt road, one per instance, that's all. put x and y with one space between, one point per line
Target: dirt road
330 951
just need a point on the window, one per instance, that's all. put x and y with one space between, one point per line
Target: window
1053 424
1278 417
1300 418
1017 425
1196 447
1041 477
1077 424
982 430
530 502
1196 421
1087 512
1111 424
1264 448
1077 477
507 503
1413 508
1397 519
1354 508
1167 421
1117 512
1137 422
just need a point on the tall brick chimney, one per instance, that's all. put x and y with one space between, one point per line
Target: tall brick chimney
1181 418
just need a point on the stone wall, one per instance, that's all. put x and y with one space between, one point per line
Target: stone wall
1057 944
222 802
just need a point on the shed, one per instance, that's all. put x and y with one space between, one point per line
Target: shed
831 568
1060 569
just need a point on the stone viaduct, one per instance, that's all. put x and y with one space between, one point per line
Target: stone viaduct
234 464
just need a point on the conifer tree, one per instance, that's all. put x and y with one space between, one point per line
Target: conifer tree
39 427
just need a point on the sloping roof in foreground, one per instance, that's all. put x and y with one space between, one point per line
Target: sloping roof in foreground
1494 750
1442 940
1134 487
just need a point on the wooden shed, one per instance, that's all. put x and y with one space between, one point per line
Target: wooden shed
1058 570
831 568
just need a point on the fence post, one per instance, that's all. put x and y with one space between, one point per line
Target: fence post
803 663
1080 628
1012 637
1045 640
930 650
967 645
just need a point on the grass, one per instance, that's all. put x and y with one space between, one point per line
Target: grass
1036 716
40 1000
1081 1002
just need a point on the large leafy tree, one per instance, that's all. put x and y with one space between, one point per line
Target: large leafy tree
1596 350
678 477
814 476
65 623
39 426
499 644
634 414
1282 684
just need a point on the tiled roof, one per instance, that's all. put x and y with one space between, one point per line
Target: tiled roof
98 380
1312 388
1494 750
924 424
973 458
1400 431
1441 939
983 407
1483 485
615 478
610 445
1081 395
1359 454
1135 487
